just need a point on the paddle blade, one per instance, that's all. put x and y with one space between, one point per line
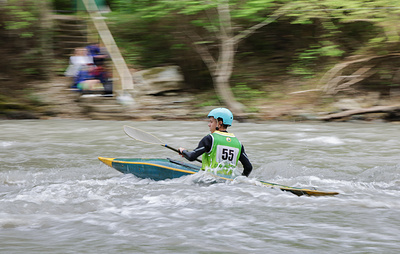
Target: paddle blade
141 135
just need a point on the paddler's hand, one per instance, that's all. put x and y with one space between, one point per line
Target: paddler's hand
181 149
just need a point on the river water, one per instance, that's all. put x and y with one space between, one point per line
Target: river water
56 197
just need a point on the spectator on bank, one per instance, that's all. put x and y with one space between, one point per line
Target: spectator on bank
87 80
79 59
97 53
102 74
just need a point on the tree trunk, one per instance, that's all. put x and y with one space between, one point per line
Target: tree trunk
222 75
45 34
224 67
221 70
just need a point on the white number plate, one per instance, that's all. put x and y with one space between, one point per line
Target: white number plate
226 153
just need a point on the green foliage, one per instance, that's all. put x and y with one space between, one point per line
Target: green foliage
201 13
25 40
333 17
161 30
207 100
306 61
333 12
254 10
63 5
246 94
140 47
156 31
20 18
131 51
153 33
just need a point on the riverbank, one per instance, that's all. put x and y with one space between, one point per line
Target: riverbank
54 99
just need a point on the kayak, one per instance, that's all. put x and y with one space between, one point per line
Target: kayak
162 169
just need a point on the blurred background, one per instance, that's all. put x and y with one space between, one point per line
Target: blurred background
262 59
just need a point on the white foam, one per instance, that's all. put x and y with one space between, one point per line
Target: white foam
6 143
324 140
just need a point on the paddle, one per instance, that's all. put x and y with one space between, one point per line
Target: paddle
147 138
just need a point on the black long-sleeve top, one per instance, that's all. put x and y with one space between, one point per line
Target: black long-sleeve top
205 145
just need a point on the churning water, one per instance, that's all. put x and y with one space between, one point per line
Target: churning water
56 197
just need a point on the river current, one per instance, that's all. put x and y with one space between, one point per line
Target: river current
57 197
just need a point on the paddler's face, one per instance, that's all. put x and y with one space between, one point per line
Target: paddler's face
212 124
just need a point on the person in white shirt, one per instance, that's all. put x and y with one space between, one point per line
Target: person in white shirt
76 62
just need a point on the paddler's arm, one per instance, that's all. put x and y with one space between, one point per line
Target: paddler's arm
204 146
247 167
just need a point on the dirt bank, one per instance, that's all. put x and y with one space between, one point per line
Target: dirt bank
54 99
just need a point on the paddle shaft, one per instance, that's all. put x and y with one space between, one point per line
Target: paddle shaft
176 150
146 137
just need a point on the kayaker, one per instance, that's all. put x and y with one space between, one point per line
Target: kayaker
220 149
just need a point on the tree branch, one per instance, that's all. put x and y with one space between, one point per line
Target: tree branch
202 50
276 15
246 33
376 109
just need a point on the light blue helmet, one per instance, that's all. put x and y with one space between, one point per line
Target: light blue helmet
223 113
